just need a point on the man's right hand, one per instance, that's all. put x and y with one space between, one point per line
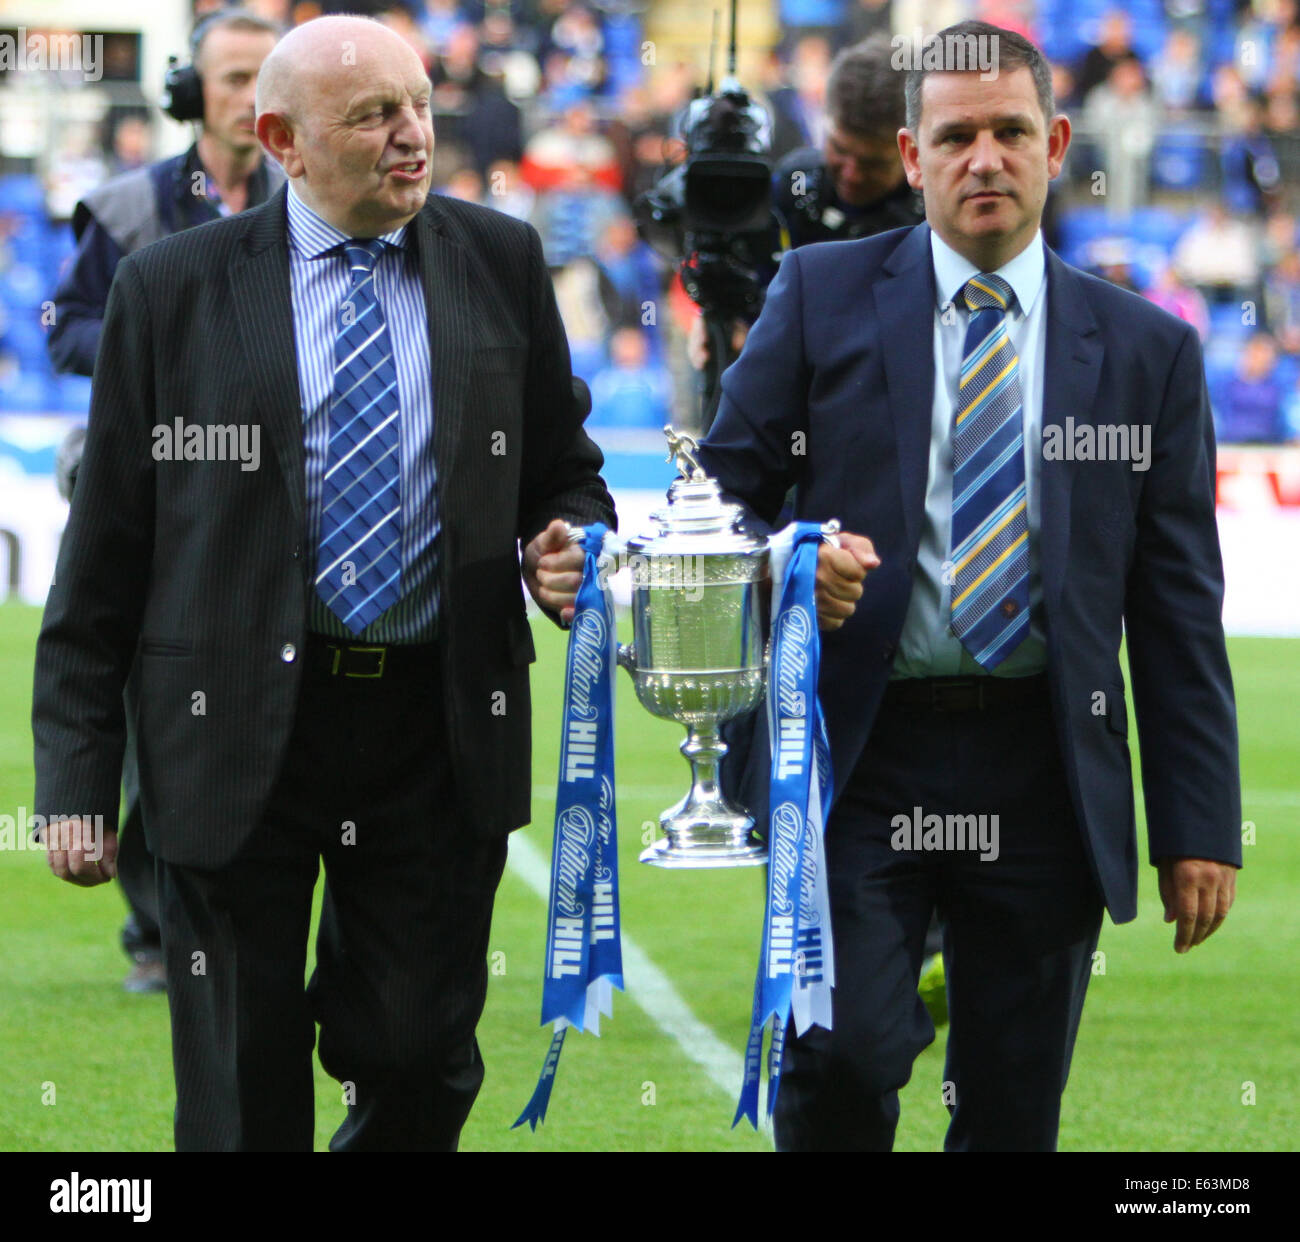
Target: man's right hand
81 858
840 573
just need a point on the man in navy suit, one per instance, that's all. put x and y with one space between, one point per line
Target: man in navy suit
1031 452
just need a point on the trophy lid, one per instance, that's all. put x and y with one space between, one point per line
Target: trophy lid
696 519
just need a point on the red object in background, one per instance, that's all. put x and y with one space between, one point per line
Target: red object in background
1248 476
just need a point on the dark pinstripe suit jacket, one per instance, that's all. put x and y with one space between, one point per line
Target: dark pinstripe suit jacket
203 568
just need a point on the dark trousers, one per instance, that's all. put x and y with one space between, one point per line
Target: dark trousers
1019 934
135 861
401 969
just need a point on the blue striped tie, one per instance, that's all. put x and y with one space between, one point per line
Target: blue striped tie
359 565
990 525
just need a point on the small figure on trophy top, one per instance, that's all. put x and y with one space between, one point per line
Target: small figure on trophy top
682 449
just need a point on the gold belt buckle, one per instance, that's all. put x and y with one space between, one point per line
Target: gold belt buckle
379 671
338 657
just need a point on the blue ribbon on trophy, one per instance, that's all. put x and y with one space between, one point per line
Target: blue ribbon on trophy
584 960
796 961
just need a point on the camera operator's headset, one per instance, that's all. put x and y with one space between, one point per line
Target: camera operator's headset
182 97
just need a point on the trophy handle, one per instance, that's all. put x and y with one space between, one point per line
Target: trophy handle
627 658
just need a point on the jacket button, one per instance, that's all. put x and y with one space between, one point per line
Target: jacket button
288 653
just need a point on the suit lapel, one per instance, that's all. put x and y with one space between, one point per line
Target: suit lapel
263 308
1071 370
905 311
442 271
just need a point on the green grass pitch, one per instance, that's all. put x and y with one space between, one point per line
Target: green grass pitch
1171 1052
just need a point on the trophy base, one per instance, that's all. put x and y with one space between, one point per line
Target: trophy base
730 846
662 854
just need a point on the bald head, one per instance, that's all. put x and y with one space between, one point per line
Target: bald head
343 105
322 54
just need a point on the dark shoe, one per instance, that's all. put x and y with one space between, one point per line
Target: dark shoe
147 972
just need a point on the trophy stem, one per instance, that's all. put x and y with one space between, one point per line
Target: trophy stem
704 829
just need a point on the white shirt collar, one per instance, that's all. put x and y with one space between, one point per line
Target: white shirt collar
1024 273
312 236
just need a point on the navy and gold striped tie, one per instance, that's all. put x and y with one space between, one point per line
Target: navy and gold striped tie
359 563
990 524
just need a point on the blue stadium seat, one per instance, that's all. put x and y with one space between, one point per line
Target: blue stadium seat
1159 226
24 286
73 393
22 194
1226 324
24 393
1079 228
1178 161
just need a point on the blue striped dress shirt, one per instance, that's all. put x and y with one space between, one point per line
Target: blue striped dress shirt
319 281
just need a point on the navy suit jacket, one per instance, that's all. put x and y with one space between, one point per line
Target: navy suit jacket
833 393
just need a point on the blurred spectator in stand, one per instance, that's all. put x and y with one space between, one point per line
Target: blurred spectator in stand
798 107
1114 44
1280 237
631 267
507 191
1251 176
1253 405
1124 121
132 143
1218 255
632 391
1282 302
1111 258
76 167
1170 293
640 139
1177 74
509 50
570 215
589 306
1227 90
1282 125
473 110
1258 37
466 185
397 16
571 151
1063 87
438 20
1284 70
576 32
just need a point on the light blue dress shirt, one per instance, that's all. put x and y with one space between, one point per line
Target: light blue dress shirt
928 647
319 279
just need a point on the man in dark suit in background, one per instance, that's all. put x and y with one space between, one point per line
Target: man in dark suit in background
321 433
945 389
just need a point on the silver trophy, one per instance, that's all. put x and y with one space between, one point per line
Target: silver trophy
697 653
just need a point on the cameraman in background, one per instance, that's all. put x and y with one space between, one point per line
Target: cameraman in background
854 186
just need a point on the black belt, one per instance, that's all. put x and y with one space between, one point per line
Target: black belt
335 657
965 694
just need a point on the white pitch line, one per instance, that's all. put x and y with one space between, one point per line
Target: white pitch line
1270 797
649 989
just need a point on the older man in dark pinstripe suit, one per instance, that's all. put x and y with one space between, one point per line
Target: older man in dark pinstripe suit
333 649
